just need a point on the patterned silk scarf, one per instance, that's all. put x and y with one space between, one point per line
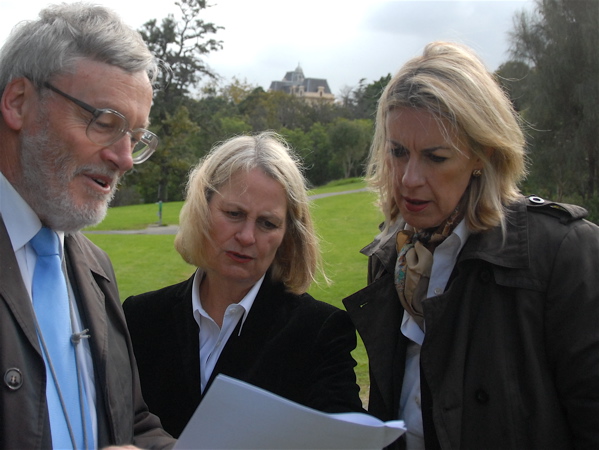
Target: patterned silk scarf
414 263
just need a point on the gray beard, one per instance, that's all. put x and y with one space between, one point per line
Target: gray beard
47 171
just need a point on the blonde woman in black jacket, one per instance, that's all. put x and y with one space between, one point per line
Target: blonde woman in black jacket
245 313
481 315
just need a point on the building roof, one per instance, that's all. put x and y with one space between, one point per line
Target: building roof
295 79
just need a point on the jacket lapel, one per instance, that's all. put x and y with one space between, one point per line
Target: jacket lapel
82 265
13 290
376 308
239 354
187 335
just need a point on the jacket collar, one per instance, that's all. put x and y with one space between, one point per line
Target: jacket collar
511 251
79 250
383 246
187 334
13 290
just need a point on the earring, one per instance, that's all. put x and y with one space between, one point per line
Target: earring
477 173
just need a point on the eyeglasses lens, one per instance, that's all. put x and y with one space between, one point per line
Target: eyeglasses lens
106 128
144 144
109 126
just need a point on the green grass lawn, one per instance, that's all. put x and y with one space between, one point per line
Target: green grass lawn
138 217
345 223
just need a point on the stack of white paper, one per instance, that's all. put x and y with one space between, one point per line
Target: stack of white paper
237 415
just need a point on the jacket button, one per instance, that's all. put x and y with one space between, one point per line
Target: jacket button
13 378
481 396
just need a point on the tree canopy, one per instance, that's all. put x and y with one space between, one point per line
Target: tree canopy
181 43
556 62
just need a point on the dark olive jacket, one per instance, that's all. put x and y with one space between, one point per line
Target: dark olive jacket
292 345
511 351
123 417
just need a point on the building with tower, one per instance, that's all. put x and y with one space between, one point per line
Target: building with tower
311 89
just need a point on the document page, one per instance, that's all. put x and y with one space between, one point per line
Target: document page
236 415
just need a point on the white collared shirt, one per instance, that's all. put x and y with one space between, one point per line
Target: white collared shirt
410 410
212 337
22 224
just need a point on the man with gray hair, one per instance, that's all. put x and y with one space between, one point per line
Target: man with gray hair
75 95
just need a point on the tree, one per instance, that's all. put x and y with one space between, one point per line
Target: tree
314 149
181 44
515 77
361 102
274 110
559 41
366 98
218 118
349 142
319 161
236 91
162 177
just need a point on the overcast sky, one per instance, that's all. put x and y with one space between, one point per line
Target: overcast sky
343 41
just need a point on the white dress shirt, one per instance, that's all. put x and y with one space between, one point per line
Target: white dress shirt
212 337
410 410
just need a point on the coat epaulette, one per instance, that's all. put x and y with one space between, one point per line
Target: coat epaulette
563 211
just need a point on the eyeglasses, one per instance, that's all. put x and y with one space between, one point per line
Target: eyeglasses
107 126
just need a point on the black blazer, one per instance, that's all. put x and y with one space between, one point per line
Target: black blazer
292 345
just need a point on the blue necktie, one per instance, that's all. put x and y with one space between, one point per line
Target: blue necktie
51 305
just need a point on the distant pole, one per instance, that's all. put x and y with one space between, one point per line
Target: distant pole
159 212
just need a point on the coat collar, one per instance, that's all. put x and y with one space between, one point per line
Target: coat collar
77 247
83 267
13 290
506 249
187 333
383 246
491 246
